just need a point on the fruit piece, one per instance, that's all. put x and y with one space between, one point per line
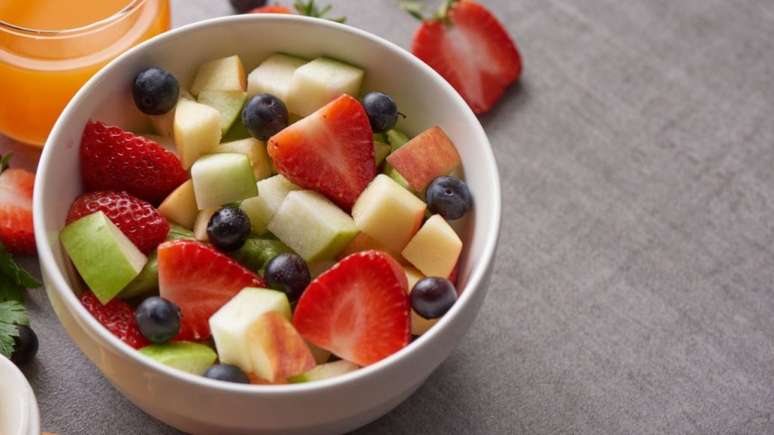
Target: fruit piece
321 356
330 151
225 74
158 319
199 280
271 9
396 177
435 248
180 206
227 103
320 266
105 258
427 156
264 116
255 253
388 213
196 130
449 197
219 179
227 373
289 274
277 350
382 111
114 159
364 242
396 138
255 151
146 282
381 150
189 357
273 76
25 345
321 81
202 222
469 47
243 6
155 91
228 229
16 210
432 297
358 309
325 371
137 219
326 229
117 316
271 193
238 131
163 125
419 325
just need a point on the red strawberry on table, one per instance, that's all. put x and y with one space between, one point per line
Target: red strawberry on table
117 316
358 309
137 219
16 209
330 151
114 159
199 280
469 47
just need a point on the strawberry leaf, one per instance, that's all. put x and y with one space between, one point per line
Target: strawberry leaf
414 8
310 9
12 313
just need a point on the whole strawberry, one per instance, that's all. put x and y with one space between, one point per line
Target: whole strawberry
137 219
16 209
114 159
117 316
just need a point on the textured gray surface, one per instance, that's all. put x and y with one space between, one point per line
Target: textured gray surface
633 288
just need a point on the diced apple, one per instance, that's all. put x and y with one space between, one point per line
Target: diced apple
271 193
312 226
388 213
180 206
435 248
219 179
321 81
227 103
200 225
225 74
273 76
381 150
419 325
364 242
325 371
255 150
427 156
197 130
194 358
163 125
278 351
396 139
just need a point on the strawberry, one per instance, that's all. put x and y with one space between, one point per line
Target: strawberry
16 209
469 47
358 309
117 316
330 151
137 219
271 9
303 7
199 280
114 159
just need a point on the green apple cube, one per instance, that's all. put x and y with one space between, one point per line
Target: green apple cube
189 357
227 103
396 138
225 74
219 179
321 81
273 76
381 150
197 130
146 282
105 258
312 226
271 193
325 371
180 206
255 150
435 248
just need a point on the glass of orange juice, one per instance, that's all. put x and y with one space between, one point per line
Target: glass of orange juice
49 48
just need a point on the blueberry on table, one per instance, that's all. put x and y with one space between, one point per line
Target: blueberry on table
227 373
432 297
158 319
155 91
448 197
228 228
243 6
382 111
264 116
25 345
288 273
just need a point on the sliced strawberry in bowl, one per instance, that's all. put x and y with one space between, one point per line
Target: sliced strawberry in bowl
200 280
330 151
358 309
16 210
117 316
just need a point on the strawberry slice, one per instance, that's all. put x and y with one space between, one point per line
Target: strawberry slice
16 210
330 151
469 47
199 280
114 159
117 316
358 309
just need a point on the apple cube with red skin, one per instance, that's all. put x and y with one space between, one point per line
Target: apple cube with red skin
429 155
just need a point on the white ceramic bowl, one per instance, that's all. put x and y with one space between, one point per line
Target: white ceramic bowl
198 405
18 408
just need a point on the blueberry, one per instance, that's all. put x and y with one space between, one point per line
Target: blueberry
288 273
158 319
243 6
432 297
228 228
449 197
227 373
264 116
25 345
382 111
155 91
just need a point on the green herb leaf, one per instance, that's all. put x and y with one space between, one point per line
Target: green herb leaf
10 292
10 271
12 313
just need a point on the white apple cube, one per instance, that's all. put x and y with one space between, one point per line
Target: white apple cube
419 325
321 81
312 226
255 150
197 130
273 76
225 74
105 258
435 248
271 193
164 125
201 223
388 213
325 371
219 179
180 206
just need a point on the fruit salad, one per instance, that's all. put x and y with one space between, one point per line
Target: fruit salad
271 227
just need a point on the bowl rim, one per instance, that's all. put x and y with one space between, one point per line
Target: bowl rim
59 285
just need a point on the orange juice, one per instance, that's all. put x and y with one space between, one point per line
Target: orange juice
49 48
